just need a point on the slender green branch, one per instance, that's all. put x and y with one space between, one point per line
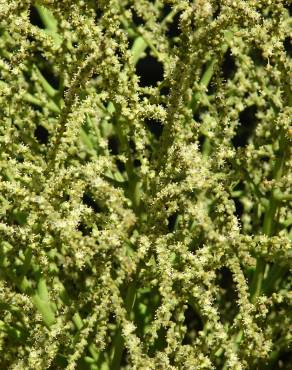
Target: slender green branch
268 224
118 343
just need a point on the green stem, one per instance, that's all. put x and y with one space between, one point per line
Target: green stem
209 71
275 274
45 310
50 23
50 105
257 285
268 225
47 18
118 344
134 187
138 48
45 84
206 147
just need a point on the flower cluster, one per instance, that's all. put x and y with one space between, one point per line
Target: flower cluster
145 184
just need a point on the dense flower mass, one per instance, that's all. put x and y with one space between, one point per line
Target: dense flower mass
145 184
